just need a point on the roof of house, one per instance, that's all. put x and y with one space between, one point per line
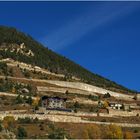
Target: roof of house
54 98
114 103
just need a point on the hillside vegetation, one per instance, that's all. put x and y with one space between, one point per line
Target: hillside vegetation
50 60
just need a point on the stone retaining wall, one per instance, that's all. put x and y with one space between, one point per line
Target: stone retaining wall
90 88
113 112
64 118
63 90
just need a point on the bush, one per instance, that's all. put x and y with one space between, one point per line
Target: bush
67 92
8 122
114 132
3 97
107 95
25 120
6 86
94 132
75 110
19 99
36 120
136 130
103 120
29 100
1 128
27 74
58 134
92 97
41 127
91 109
21 132
77 105
128 135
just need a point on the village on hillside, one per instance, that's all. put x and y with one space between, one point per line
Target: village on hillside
24 94
69 70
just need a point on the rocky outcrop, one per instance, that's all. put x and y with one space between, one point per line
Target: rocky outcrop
21 49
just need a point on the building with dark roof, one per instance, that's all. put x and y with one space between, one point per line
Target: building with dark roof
53 102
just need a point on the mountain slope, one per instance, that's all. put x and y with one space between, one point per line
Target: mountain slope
45 58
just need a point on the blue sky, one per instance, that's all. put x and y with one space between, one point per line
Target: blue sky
103 37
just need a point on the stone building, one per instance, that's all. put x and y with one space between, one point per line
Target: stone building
126 107
53 102
115 105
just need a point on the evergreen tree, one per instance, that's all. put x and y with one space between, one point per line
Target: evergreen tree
19 99
29 100
21 133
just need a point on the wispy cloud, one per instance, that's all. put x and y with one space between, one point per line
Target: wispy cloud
82 25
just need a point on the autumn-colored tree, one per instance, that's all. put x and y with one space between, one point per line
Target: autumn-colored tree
91 131
36 101
106 104
94 131
8 122
13 90
85 134
128 135
114 132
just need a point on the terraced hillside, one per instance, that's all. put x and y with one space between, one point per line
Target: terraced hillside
19 46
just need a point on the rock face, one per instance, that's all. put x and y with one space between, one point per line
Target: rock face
15 48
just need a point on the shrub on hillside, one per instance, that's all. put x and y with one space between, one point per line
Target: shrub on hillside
107 95
113 132
58 134
128 135
21 133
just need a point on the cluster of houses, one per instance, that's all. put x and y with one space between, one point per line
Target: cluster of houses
58 103
120 106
